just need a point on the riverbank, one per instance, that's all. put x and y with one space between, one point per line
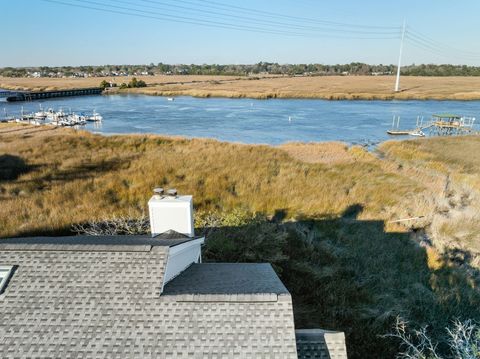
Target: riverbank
323 213
320 87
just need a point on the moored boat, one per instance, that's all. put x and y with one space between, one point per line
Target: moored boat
398 133
40 115
95 117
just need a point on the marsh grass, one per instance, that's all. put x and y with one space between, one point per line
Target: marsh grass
271 86
453 164
74 176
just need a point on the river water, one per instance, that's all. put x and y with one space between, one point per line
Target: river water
273 121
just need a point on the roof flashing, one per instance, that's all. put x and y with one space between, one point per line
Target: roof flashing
119 243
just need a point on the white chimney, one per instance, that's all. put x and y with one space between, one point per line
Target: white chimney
170 212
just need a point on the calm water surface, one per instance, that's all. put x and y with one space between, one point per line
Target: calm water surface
250 121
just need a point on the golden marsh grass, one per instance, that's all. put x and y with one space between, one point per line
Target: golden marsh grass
263 87
64 177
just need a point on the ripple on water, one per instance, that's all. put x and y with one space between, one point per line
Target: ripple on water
251 121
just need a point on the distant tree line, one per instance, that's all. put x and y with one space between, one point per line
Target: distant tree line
354 68
441 70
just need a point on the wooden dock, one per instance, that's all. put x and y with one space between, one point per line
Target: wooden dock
439 125
41 95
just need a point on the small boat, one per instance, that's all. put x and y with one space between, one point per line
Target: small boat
58 117
398 133
41 115
74 119
170 99
50 114
418 133
7 118
66 123
26 116
95 117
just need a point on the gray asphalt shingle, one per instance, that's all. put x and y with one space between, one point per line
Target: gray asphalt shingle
226 278
69 300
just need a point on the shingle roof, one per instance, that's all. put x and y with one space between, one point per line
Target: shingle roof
320 344
78 303
227 278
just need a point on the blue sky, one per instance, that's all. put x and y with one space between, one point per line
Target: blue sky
37 32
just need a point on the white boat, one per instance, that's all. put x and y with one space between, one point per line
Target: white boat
57 117
95 117
418 133
66 122
74 119
50 114
25 117
6 117
170 99
40 115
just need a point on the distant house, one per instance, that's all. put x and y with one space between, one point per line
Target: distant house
146 297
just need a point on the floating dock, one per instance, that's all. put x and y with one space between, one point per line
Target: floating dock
41 95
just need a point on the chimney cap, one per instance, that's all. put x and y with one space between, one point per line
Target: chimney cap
158 190
172 192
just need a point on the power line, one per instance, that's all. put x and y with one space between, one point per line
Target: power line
218 24
263 22
178 19
437 50
217 5
438 45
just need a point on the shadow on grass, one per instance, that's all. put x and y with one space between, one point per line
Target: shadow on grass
85 171
71 173
350 275
12 167
47 232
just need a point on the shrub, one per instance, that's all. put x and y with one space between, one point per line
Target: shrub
127 225
462 342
